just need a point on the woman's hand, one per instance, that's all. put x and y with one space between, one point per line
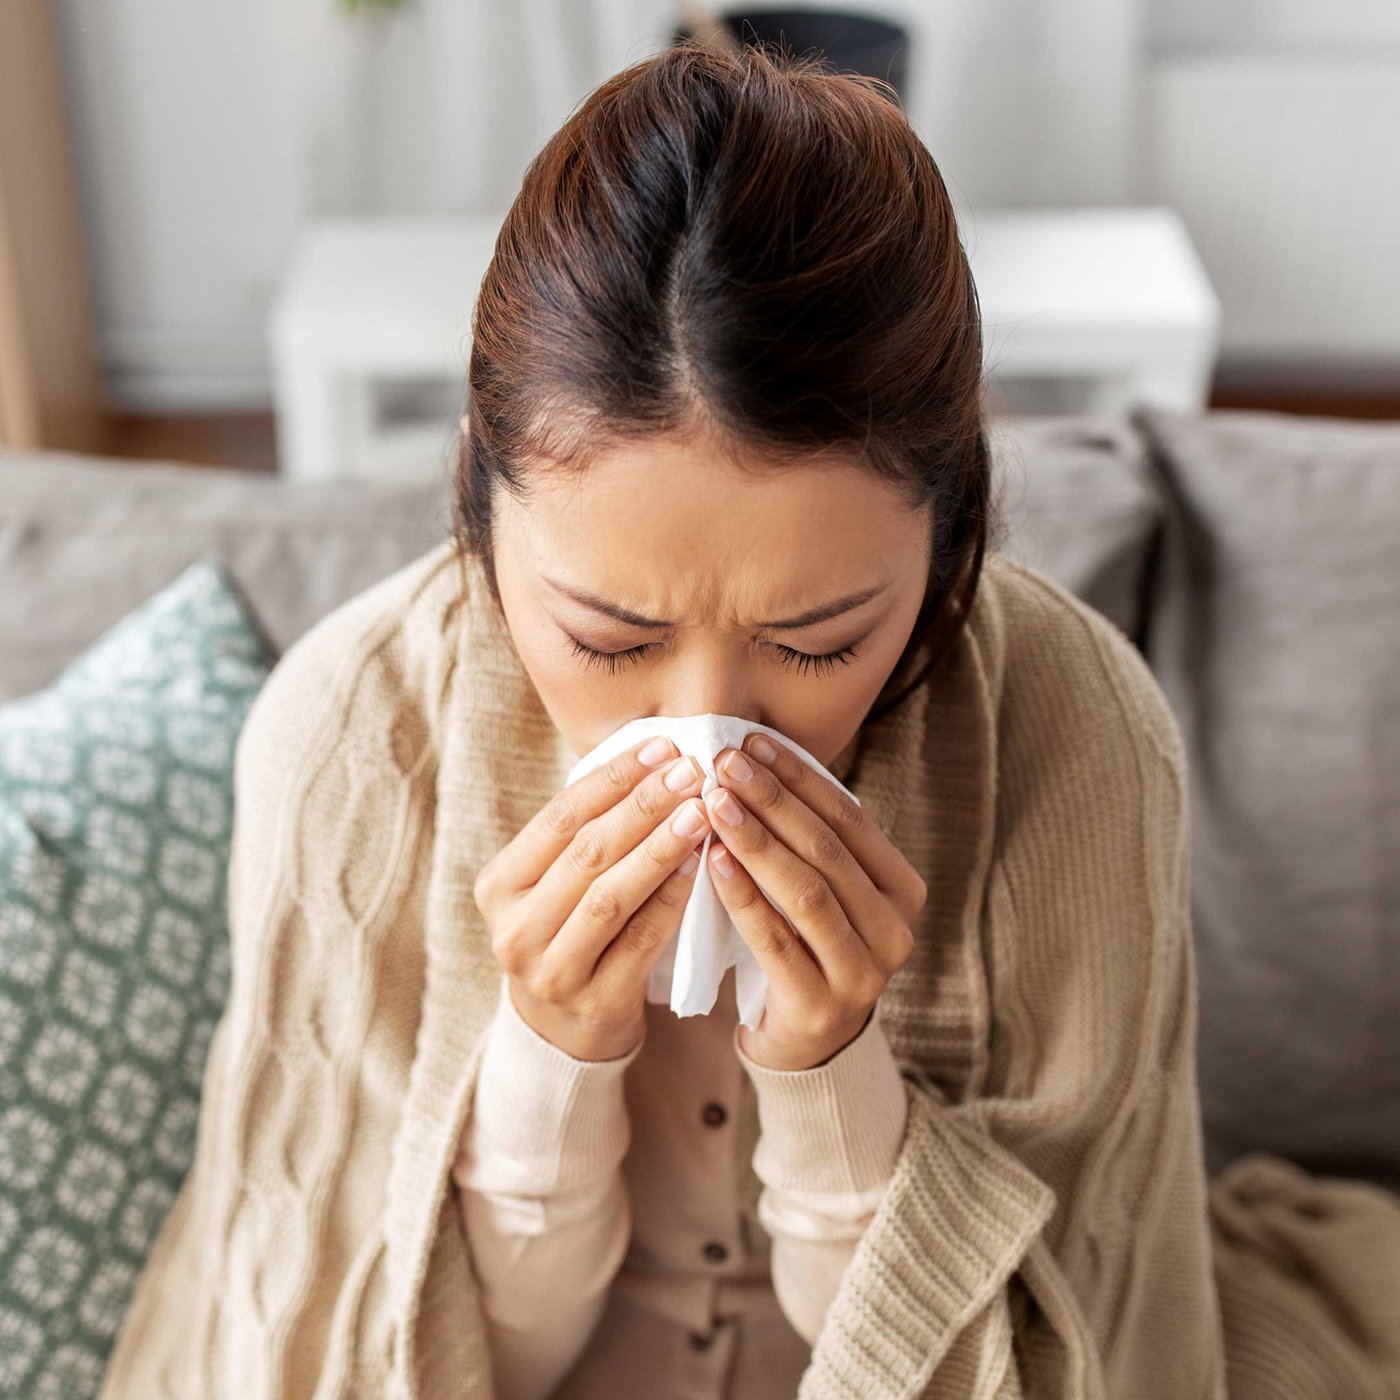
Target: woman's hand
581 904
853 897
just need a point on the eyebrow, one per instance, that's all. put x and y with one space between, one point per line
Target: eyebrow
824 613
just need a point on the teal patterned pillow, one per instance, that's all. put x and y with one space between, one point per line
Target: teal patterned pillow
116 807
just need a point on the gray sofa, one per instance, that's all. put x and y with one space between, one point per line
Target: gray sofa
1254 558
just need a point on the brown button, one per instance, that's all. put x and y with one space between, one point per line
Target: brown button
715 1252
715 1114
701 1341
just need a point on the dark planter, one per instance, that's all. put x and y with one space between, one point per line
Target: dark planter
851 43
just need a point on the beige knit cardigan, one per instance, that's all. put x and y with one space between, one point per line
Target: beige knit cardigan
1045 1232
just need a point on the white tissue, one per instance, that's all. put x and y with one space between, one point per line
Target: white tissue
689 971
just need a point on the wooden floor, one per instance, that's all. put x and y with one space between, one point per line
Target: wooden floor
214 439
248 440
1322 403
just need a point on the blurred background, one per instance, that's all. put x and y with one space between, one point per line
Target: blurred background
251 234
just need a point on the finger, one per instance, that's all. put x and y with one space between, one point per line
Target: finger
603 841
611 908
885 864
847 932
536 847
875 918
628 960
786 961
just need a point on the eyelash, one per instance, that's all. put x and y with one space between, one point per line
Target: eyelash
801 659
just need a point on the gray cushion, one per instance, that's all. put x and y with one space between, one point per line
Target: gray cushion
1275 634
84 540
1079 503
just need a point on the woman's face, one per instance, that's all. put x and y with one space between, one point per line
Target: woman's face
709 563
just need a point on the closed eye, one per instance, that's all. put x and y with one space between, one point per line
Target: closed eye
823 663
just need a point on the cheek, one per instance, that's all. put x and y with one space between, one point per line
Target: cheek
823 713
576 702
554 672
543 653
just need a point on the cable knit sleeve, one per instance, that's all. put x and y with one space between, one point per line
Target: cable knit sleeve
542 1198
829 1137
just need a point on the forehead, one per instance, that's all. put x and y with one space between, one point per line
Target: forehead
672 530
688 493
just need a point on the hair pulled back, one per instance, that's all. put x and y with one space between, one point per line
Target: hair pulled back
751 247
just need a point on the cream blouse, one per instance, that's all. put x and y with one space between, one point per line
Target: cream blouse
601 1200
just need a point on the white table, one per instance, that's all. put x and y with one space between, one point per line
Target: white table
1115 298
366 301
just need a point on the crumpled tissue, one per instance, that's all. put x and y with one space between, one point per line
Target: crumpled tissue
689 972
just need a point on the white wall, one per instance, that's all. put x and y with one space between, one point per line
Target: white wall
1270 125
1346 27
206 134
190 189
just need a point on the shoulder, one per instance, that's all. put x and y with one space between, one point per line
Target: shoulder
376 659
1087 760
1088 903
1062 677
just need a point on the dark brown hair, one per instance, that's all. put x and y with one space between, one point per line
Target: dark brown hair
750 246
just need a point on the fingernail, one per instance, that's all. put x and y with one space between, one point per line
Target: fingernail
737 766
761 749
722 861
688 821
690 862
682 774
726 806
658 749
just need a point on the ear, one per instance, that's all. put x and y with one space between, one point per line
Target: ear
465 417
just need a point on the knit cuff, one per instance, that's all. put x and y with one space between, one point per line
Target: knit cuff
541 1119
958 1216
836 1128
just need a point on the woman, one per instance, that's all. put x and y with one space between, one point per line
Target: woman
725 373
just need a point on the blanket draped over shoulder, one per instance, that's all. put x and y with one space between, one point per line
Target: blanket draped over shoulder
1049 1229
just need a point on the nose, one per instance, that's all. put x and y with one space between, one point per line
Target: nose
712 703
711 690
